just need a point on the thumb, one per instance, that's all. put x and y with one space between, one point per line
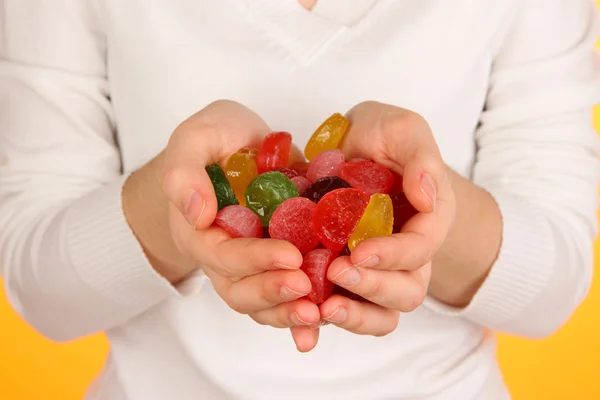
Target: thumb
209 136
191 191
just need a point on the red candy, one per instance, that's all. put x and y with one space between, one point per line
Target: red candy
290 173
239 222
327 163
301 183
315 265
397 186
337 214
300 168
293 221
274 152
367 176
403 210
346 293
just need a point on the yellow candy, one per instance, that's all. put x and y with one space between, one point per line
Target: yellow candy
327 137
240 170
377 220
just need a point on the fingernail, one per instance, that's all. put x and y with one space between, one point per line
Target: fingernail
194 208
297 320
282 266
348 277
428 188
288 294
338 316
369 262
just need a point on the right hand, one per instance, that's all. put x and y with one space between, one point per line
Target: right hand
258 277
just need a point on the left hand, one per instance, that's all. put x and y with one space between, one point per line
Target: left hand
393 272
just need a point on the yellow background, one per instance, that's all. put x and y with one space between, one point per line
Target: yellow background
565 366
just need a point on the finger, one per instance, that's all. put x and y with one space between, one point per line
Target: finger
398 290
301 312
361 318
262 291
401 140
414 246
208 136
241 257
305 338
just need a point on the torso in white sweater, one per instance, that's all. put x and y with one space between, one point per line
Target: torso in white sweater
78 70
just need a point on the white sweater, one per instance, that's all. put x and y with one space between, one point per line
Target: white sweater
91 90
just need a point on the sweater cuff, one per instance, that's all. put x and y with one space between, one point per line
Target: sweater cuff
108 257
522 270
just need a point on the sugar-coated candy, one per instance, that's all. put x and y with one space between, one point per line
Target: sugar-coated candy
403 210
315 265
293 221
240 170
301 183
239 222
346 293
337 214
322 186
377 220
328 136
397 185
274 152
367 176
300 167
223 191
266 192
290 173
327 163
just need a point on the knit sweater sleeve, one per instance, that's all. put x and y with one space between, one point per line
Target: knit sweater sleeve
538 157
70 264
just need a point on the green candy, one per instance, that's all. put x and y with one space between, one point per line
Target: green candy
266 192
223 191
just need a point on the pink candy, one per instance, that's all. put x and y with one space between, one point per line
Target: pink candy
327 163
239 222
301 183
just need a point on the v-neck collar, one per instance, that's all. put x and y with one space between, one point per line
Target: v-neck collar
303 33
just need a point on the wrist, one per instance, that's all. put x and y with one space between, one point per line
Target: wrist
471 247
146 210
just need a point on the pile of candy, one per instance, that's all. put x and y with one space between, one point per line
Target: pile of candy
324 207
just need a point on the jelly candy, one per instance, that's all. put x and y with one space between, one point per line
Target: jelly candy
265 232
301 183
322 186
337 214
266 192
345 251
290 173
240 170
239 222
346 293
315 265
328 136
223 191
377 220
274 152
403 210
293 221
397 186
300 167
328 163
367 176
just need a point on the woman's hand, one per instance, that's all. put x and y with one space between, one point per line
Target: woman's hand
171 204
393 272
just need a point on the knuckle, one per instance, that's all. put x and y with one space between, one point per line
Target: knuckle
372 288
234 302
391 326
171 179
416 298
257 319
